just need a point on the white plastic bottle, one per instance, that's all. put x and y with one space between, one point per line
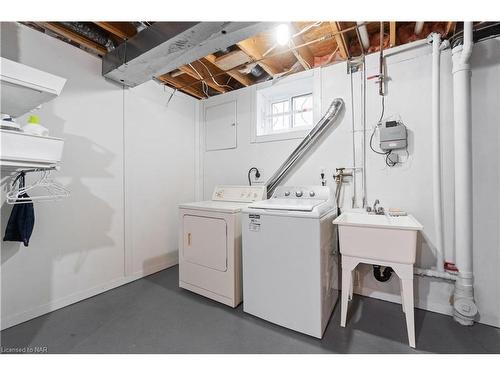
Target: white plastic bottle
33 127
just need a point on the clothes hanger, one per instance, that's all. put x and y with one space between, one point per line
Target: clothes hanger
52 189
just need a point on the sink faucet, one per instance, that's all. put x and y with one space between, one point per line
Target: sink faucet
375 210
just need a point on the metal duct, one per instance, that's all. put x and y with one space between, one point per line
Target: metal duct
92 33
311 139
139 26
256 71
166 46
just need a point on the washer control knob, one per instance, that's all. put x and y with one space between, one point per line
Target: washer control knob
299 193
312 193
287 193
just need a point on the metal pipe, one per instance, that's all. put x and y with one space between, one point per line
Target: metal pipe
93 33
381 62
354 203
363 89
314 135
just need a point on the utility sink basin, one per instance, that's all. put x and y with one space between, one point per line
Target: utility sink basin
378 237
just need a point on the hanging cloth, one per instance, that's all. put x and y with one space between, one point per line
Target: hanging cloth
22 218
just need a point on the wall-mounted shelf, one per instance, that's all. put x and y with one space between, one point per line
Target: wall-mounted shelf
25 88
21 150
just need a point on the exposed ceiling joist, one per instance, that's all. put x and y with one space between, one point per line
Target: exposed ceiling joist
244 79
71 35
166 46
175 83
450 28
198 71
255 50
303 54
340 39
122 30
392 33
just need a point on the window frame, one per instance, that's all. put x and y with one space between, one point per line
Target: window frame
296 85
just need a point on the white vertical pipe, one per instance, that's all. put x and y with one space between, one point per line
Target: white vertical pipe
419 26
465 308
467 46
436 151
363 35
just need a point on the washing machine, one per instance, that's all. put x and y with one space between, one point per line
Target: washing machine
290 258
210 243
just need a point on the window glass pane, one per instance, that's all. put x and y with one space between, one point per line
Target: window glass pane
303 119
302 111
280 116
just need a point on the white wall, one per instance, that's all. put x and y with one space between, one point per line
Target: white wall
160 173
408 186
79 246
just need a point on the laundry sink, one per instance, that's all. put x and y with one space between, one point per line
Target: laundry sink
378 237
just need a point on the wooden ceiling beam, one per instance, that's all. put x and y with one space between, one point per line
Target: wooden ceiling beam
204 75
255 51
191 90
303 54
244 79
176 73
341 40
392 33
450 28
71 35
121 30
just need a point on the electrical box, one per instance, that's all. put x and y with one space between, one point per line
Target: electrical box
393 136
220 126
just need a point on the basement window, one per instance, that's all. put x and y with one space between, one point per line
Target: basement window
285 110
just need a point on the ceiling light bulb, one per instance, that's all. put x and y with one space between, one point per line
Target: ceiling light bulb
282 34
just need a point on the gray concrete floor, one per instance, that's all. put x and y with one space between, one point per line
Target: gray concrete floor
153 315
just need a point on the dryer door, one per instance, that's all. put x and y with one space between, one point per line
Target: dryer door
205 241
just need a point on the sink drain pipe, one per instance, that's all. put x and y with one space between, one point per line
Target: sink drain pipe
439 272
464 306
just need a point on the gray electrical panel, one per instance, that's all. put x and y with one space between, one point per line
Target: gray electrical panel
393 136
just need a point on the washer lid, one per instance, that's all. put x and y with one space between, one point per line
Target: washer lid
287 204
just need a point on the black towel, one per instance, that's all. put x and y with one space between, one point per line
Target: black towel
21 220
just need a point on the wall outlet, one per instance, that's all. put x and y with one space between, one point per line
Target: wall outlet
258 180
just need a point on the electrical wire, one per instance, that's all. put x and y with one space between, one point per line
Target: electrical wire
378 124
331 55
204 86
170 97
212 77
307 28
257 174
